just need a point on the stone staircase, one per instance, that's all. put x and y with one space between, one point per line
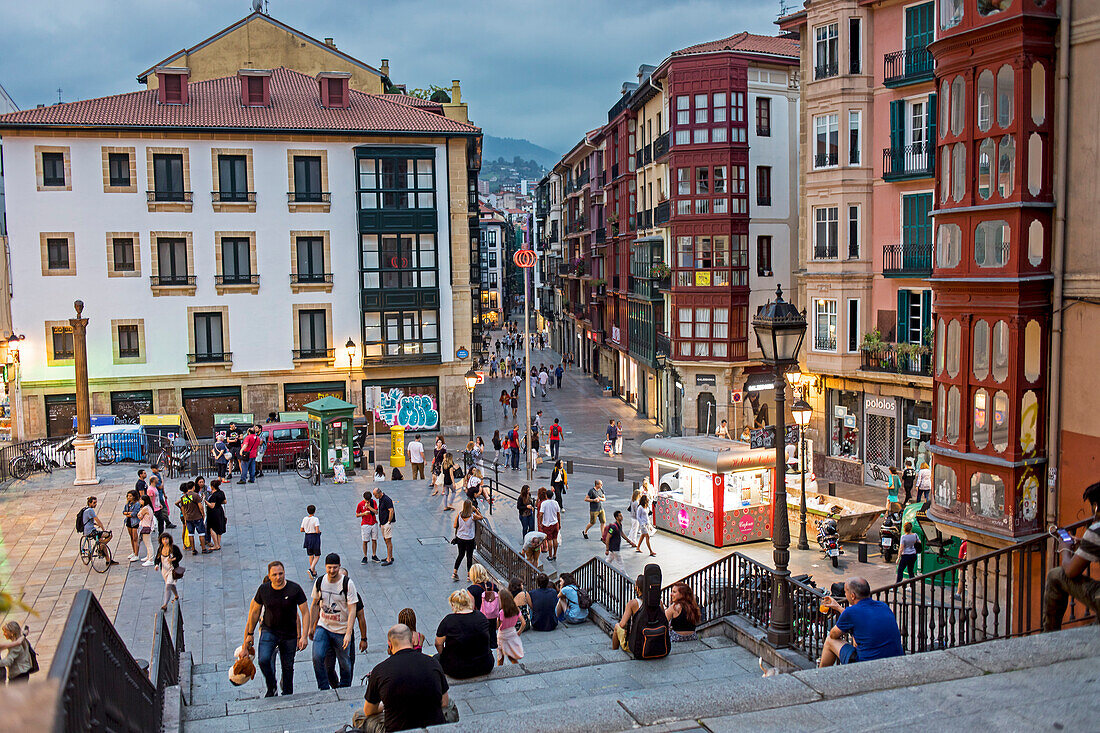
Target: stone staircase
559 668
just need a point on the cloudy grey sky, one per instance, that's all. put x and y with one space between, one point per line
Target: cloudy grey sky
546 71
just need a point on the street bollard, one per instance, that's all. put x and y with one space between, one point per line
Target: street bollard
282 464
832 488
637 486
622 474
569 466
863 552
365 459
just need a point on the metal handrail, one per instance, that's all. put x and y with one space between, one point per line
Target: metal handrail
500 556
606 585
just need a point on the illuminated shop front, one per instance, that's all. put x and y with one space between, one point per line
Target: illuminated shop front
712 490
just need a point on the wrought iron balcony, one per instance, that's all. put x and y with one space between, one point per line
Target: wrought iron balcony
308 197
825 343
601 235
911 161
825 160
897 359
763 131
908 66
907 260
315 353
233 197
825 252
210 357
662 212
638 162
647 154
171 281
168 196
236 279
614 171
308 278
825 70
660 146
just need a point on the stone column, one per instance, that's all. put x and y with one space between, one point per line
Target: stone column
84 444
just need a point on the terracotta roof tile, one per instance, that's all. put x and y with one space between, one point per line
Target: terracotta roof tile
215 103
414 101
745 41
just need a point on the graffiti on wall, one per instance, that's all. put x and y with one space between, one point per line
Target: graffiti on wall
412 412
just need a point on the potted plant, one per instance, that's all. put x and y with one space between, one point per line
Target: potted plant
601 286
660 271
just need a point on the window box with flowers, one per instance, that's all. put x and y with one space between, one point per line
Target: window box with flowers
577 266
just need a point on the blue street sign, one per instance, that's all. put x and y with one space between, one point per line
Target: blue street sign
462 354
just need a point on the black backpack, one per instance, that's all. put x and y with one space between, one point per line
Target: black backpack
649 636
583 599
80 520
343 589
34 656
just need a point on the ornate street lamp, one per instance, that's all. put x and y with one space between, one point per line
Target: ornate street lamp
780 329
802 411
471 381
349 347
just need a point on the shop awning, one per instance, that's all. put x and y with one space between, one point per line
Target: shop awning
759 382
707 453
649 240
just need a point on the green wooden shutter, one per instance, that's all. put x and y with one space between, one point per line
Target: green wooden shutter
931 140
897 135
902 333
925 313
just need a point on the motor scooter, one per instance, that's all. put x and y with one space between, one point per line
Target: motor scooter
829 540
889 535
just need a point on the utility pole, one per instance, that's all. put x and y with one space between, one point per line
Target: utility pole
527 364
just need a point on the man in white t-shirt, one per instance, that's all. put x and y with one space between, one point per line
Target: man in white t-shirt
415 452
332 618
549 522
544 377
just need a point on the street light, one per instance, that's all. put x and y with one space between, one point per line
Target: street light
349 347
802 411
471 382
779 329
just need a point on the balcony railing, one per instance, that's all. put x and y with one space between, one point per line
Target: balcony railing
314 353
168 196
308 197
662 212
660 146
825 252
236 279
233 197
638 162
601 179
307 278
664 345
897 359
171 281
763 200
583 178
210 357
912 161
763 131
825 70
601 235
825 160
825 343
907 67
907 260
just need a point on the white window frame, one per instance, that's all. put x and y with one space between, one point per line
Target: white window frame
855 122
822 36
836 221
818 313
831 126
853 325
859 232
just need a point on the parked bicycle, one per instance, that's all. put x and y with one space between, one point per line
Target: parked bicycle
308 467
31 458
96 553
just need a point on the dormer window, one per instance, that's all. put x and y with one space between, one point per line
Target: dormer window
172 85
255 87
334 88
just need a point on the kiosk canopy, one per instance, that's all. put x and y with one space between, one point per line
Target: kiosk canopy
716 455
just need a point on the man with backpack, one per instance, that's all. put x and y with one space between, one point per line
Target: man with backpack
612 540
332 620
89 525
555 439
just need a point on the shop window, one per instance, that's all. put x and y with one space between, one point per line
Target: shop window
953 414
958 172
1034 164
825 324
1000 421
954 335
1006 166
1029 421
991 7
845 410
1000 352
915 444
945 173
987 151
946 486
1038 93
1033 334
941 407
948 245
958 105
981 351
1005 96
945 107
985 100
941 333
981 419
991 242
987 495
1035 243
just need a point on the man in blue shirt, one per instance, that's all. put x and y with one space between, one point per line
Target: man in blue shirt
871 623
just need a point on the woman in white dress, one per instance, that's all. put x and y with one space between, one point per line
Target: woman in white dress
641 516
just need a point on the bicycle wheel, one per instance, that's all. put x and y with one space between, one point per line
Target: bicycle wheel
45 464
101 559
85 550
303 467
68 458
20 467
105 455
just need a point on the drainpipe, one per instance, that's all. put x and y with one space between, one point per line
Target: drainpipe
1058 257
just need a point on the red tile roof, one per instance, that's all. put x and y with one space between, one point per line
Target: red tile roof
216 103
414 101
746 41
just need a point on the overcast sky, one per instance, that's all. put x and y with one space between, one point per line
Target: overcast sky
546 71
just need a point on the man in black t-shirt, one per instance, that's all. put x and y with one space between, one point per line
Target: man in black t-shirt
406 691
282 630
386 518
233 443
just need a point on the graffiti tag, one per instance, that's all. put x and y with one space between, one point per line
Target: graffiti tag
412 412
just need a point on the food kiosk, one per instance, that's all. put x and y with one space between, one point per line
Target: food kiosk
330 435
711 489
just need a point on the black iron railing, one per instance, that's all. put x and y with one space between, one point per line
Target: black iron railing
210 357
660 146
171 281
908 66
314 353
825 343
907 260
662 213
897 359
168 197
825 252
809 627
638 158
308 197
733 584
825 70
825 160
909 161
307 278
236 279
233 197
499 555
614 171
601 235
607 586
647 154
763 131
164 660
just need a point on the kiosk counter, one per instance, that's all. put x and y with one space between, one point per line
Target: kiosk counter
712 490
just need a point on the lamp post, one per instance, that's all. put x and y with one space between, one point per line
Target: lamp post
779 329
471 382
84 443
11 384
802 411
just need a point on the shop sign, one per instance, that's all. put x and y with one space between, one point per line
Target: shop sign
912 432
706 380
840 411
887 406
702 278
683 519
615 334
411 412
462 353
849 421
745 524
925 426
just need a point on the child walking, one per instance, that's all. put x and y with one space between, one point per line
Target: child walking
311 526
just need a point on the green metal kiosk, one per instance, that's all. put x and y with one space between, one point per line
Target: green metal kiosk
330 421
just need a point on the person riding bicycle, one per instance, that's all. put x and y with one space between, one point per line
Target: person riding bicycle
93 527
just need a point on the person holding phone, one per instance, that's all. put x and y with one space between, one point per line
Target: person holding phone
1069 579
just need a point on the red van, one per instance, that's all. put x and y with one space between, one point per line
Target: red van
284 439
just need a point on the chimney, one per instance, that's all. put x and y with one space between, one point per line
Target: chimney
385 67
330 43
172 84
255 87
456 92
334 88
